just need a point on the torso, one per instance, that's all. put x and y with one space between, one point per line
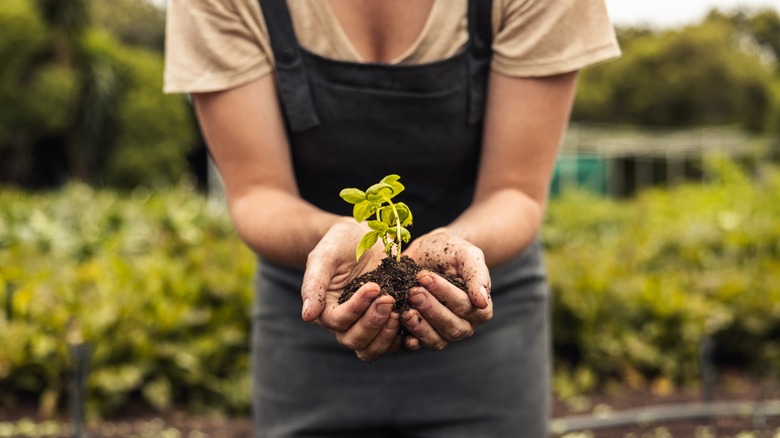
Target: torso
381 30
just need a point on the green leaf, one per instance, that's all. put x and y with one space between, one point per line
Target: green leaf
379 191
378 226
392 180
364 210
387 215
405 234
353 196
366 243
404 214
158 392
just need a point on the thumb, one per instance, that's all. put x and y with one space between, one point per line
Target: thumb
313 301
478 281
316 280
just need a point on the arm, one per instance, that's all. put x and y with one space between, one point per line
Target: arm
525 120
244 130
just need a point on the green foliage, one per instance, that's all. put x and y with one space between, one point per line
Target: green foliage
773 118
76 88
156 282
637 285
155 130
711 73
50 99
391 218
763 25
23 39
138 23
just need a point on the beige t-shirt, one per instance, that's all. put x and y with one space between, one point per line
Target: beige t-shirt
219 44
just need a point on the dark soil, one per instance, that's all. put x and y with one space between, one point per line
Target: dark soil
396 278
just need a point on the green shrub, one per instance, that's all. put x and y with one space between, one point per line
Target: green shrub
160 286
156 283
638 284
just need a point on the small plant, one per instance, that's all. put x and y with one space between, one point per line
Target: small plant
391 219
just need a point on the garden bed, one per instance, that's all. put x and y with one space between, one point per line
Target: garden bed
732 386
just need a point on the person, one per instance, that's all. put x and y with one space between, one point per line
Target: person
467 101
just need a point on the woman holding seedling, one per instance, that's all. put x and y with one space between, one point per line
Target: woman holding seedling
467 100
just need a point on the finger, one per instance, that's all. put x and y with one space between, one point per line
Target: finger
313 295
411 343
316 279
366 328
447 325
477 277
384 340
341 317
446 293
453 298
416 325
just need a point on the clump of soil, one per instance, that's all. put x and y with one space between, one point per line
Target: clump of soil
396 278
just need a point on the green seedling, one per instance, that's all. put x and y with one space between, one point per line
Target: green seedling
391 219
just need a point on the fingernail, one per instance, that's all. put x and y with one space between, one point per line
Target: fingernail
426 281
384 309
484 292
306 305
417 299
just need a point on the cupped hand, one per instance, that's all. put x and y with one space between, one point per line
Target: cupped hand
365 323
442 312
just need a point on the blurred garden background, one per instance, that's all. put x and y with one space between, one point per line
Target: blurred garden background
662 237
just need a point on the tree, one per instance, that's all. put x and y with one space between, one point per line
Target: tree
88 139
138 23
38 95
80 104
762 25
697 75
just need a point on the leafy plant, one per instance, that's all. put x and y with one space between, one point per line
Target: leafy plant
160 285
391 218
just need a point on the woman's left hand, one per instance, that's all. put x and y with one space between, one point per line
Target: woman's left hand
442 312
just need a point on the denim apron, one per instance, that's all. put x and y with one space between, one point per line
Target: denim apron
350 124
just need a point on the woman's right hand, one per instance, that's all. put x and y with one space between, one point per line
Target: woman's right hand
365 323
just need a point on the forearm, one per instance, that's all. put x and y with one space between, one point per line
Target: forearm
502 224
285 233
525 120
245 133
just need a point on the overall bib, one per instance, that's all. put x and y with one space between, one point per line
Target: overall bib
349 125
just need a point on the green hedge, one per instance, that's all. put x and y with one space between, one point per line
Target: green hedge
638 284
156 282
159 284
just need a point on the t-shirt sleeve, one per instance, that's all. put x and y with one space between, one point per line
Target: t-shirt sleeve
546 37
213 45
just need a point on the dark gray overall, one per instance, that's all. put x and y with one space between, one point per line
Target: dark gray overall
350 124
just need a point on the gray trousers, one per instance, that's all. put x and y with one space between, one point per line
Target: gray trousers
493 384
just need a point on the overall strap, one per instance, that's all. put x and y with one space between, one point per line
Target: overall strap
479 54
292 82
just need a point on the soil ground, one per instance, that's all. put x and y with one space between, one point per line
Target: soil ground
729 387
22 422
